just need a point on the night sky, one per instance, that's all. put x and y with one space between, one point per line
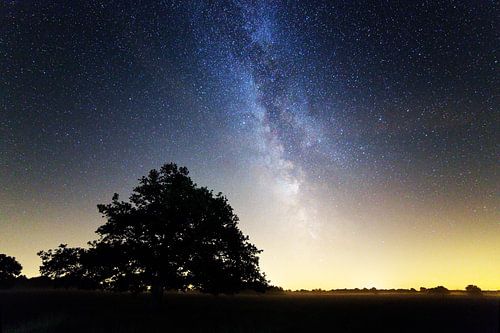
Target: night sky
357 143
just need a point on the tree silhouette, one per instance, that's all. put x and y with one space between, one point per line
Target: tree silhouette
473 290
10 270
72 267
440 290
171 234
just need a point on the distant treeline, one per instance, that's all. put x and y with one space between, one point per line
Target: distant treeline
470 289
43 282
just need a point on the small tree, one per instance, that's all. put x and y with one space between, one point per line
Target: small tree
171 234
75 267
440 290
10 270
473 290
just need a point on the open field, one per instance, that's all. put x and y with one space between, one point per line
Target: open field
62 311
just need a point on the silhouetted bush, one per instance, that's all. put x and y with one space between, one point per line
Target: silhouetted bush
274 290
473 290
39 282
440 290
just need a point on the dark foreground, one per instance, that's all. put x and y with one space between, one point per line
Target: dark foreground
60 311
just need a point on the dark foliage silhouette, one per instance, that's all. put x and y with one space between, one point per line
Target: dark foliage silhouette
438 290
34 283
171 234
473 290
70 267
10 270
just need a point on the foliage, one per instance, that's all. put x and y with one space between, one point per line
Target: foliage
10 270
171 234
473 290
438 290
274 290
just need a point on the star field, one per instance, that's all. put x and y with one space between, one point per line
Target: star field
358 143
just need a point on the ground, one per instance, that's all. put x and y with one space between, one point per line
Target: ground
76 311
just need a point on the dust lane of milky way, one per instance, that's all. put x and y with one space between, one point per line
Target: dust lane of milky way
356 143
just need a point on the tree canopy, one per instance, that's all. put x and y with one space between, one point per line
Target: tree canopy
438 290
10 270
473 290
171 234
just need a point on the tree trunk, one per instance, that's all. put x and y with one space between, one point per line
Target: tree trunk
157 295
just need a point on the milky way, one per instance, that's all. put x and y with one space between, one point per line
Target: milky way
354 141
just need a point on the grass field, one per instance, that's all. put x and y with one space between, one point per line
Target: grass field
63 311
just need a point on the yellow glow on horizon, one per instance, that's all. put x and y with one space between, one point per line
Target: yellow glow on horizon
454 248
